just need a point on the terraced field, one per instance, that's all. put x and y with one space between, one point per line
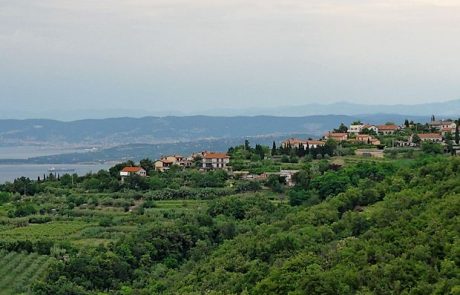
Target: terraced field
19 270
59 230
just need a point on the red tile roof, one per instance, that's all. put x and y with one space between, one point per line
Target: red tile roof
337 135
215 156
388 127
315 142
294 141
131 169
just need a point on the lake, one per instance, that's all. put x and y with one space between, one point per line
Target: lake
10 172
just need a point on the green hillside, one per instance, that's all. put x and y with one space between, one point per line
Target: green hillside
349 225
19 270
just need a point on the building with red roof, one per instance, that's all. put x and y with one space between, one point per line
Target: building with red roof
212 160
127 171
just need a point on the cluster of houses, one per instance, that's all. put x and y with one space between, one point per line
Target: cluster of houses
367 133
359 133
208 161
363 132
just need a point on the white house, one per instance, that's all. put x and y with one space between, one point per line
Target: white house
356 128
371 127
215 161
433 137
288 176
127 171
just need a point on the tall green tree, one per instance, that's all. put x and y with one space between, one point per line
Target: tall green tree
342 128
457 135
247 145
416 139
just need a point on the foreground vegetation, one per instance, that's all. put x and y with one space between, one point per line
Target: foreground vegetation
354 226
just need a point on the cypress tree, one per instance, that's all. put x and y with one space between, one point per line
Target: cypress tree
457 135
274 148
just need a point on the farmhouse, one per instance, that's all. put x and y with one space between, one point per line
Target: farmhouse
296 143
441 125
288 176
364 138
128 171
433 137
293 142
337 136
165 163
387 129
215 160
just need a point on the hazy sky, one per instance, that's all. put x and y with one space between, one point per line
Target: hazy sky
204 54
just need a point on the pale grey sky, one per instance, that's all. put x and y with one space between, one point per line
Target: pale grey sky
204 54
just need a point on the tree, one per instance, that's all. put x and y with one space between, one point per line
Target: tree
274 148
302 179
416 139
342 128
247 145
147 164
450 147
136 182
300 150
259 150
368 131
406 123
275 183
330 147
457 135
24 186
432 148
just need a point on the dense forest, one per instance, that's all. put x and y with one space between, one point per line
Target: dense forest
366 226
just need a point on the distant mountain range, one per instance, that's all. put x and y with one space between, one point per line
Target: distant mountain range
119 139
445 109
157 130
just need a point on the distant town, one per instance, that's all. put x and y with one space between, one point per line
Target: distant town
358 139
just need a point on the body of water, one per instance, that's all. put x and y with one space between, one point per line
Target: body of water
33 171
25 152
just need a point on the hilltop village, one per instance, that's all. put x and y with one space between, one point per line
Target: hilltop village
358 139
